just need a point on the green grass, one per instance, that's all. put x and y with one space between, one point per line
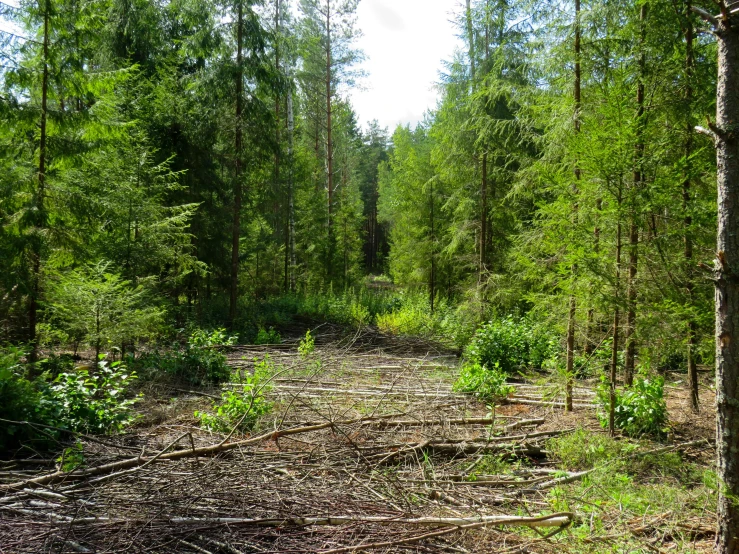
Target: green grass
627 490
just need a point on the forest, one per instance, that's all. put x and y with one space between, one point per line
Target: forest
234 318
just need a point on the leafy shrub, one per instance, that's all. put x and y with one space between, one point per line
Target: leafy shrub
96 305
19 399
199 362
54 364
307 345
510 345
488 384
242 408
92 402
267 336
640 409
411 315
585 449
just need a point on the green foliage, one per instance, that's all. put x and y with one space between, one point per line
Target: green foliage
73 457
93 402
241 409
265 336
95 305
487 384
307 345
640 409
585 449
511 344
19 399
199 362
75 400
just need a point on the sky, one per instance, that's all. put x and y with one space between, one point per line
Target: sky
405 43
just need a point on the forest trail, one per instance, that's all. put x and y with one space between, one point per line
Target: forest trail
384 457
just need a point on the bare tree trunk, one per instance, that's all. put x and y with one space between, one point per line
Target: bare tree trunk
616 314
634 224
329 142
40 194
237 188
290 186
726 274
432 277
570 363
688 221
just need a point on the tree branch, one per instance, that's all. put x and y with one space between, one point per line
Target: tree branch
705 15
707 132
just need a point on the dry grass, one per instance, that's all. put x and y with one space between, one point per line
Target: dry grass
415 462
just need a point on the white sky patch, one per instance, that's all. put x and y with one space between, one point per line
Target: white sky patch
405 42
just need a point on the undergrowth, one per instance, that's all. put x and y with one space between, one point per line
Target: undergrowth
628 489
241 408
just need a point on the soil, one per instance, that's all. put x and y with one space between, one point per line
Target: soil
407 457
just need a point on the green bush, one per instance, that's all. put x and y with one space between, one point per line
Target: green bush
265 336
487 384
585 449
242 408
19 399
199 362
307 345
92 402
76 400
510 345
640 409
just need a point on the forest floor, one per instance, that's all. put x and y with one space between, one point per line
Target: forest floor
368 449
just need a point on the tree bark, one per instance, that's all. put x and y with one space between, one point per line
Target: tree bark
727 280
40 197
614 347
432 276
570 362
688 220
237 188
290 186
631 292
329 143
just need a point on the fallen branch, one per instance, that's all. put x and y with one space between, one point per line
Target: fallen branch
550 520
417 538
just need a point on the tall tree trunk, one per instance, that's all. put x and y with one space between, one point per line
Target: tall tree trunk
329 143
432 276
726 275
688 221
592 329
290 186
470 41
614 346
40 197
570 363
237 187
634 223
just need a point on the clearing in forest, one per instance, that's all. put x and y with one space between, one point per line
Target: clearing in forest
368 449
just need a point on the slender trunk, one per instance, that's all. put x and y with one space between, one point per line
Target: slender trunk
41 192
237 188
290 186
631 293
688 221
97 337
727 281
592 329
471 42
329 143
614 347
570 363
484 213
432 280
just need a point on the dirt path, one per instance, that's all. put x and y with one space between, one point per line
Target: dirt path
391 444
